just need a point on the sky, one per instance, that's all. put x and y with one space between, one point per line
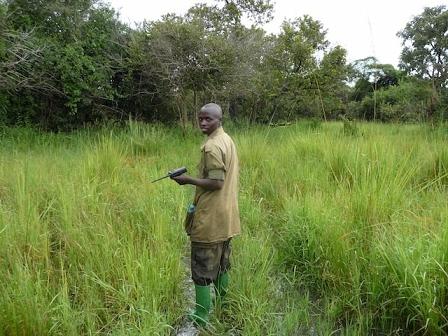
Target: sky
364 28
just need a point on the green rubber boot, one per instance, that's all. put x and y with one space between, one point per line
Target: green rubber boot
221 285
200 316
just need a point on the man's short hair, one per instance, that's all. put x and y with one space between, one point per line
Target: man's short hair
213 106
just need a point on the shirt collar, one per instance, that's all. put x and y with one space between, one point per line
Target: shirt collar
216 132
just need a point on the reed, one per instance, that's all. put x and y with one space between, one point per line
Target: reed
343 232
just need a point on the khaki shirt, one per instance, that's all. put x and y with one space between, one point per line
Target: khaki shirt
216 215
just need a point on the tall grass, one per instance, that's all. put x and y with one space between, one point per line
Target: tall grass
343 232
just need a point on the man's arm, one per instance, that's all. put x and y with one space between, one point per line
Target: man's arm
206 183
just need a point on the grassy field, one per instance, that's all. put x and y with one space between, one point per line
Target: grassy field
345 231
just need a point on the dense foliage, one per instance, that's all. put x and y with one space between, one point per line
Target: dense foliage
67 63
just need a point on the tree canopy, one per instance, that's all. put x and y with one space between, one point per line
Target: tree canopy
425 45
425 50
65 64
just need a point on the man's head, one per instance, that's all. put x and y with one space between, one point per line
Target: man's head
210 117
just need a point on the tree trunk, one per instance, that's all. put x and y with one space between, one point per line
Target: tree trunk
194 122
232 109
431 105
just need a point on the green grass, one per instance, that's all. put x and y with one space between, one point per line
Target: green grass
344 231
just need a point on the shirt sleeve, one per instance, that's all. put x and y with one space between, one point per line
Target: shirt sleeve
217 174
214 165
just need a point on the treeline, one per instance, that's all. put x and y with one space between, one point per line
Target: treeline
68 63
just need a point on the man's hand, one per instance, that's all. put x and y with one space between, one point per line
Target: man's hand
181 179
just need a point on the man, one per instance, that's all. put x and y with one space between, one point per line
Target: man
216 217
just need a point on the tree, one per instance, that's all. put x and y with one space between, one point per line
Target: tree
19 50
425 49
369 76
331 78
304 72
260 11
65 56
182 62
176 60
383 93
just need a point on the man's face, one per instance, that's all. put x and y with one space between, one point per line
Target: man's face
208 121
